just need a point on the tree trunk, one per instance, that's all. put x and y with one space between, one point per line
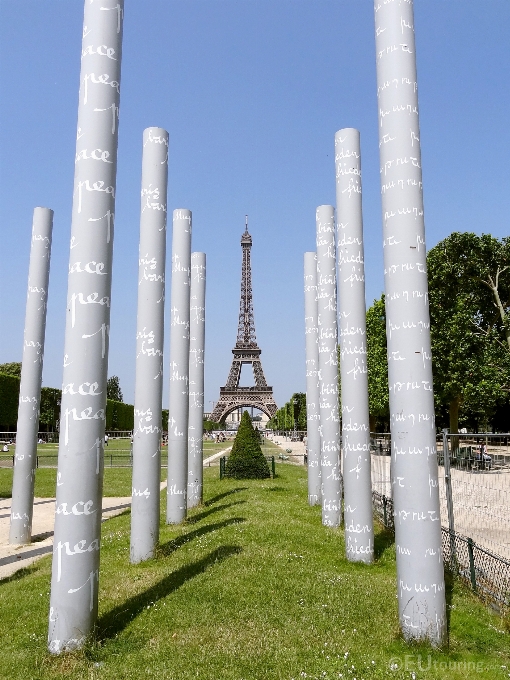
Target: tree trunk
501 310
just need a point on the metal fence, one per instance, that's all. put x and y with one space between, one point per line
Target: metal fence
488 573
474 491
52 437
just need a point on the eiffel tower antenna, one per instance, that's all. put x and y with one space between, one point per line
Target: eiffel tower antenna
246 351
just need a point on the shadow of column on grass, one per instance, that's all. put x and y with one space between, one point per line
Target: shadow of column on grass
221 496
168 548
206 513
449 583
114 621
383 540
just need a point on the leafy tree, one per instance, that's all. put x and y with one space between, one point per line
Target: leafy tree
13 368
113 390
9 398
469 291
51 398
377 365
293 412
210 426
246 460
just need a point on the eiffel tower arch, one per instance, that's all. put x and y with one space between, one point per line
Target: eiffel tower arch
246 351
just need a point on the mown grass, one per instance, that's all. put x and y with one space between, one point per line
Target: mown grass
252 586
117 480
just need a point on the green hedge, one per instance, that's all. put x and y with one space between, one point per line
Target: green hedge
9 397
119 416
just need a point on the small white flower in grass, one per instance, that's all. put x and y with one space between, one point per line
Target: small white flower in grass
346 655
413 676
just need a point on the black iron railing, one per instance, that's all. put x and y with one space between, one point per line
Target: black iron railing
488 573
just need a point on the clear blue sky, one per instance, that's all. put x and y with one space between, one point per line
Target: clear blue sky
251 93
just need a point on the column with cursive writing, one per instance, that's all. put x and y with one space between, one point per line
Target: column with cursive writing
359 525
31 375
421 586
149 347
313 437
331 478
196 380
178 403
75 568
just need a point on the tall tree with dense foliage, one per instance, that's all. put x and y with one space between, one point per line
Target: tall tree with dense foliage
377 364
113 390
291 415
469 289
12 368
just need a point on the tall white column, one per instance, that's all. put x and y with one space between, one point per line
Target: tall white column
31 376
75 569
358 519
178 409
421 591
149 347
312 381
196 380
331 477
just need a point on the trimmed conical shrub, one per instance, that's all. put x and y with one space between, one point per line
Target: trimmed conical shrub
246 460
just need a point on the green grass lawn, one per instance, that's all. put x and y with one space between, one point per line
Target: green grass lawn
117 480
252 586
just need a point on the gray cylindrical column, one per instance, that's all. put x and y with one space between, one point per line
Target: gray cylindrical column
179 369
358 520
421 593
196 380
75 569
312 381
149 347
331 478
31 375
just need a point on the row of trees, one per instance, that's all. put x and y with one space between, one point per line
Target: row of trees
469 297
292 415
119 416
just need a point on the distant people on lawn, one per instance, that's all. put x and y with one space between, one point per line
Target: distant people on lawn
483 457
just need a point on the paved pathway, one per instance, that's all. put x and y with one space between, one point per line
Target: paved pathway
14 558
297 449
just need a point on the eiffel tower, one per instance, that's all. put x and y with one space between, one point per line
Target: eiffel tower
246 351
